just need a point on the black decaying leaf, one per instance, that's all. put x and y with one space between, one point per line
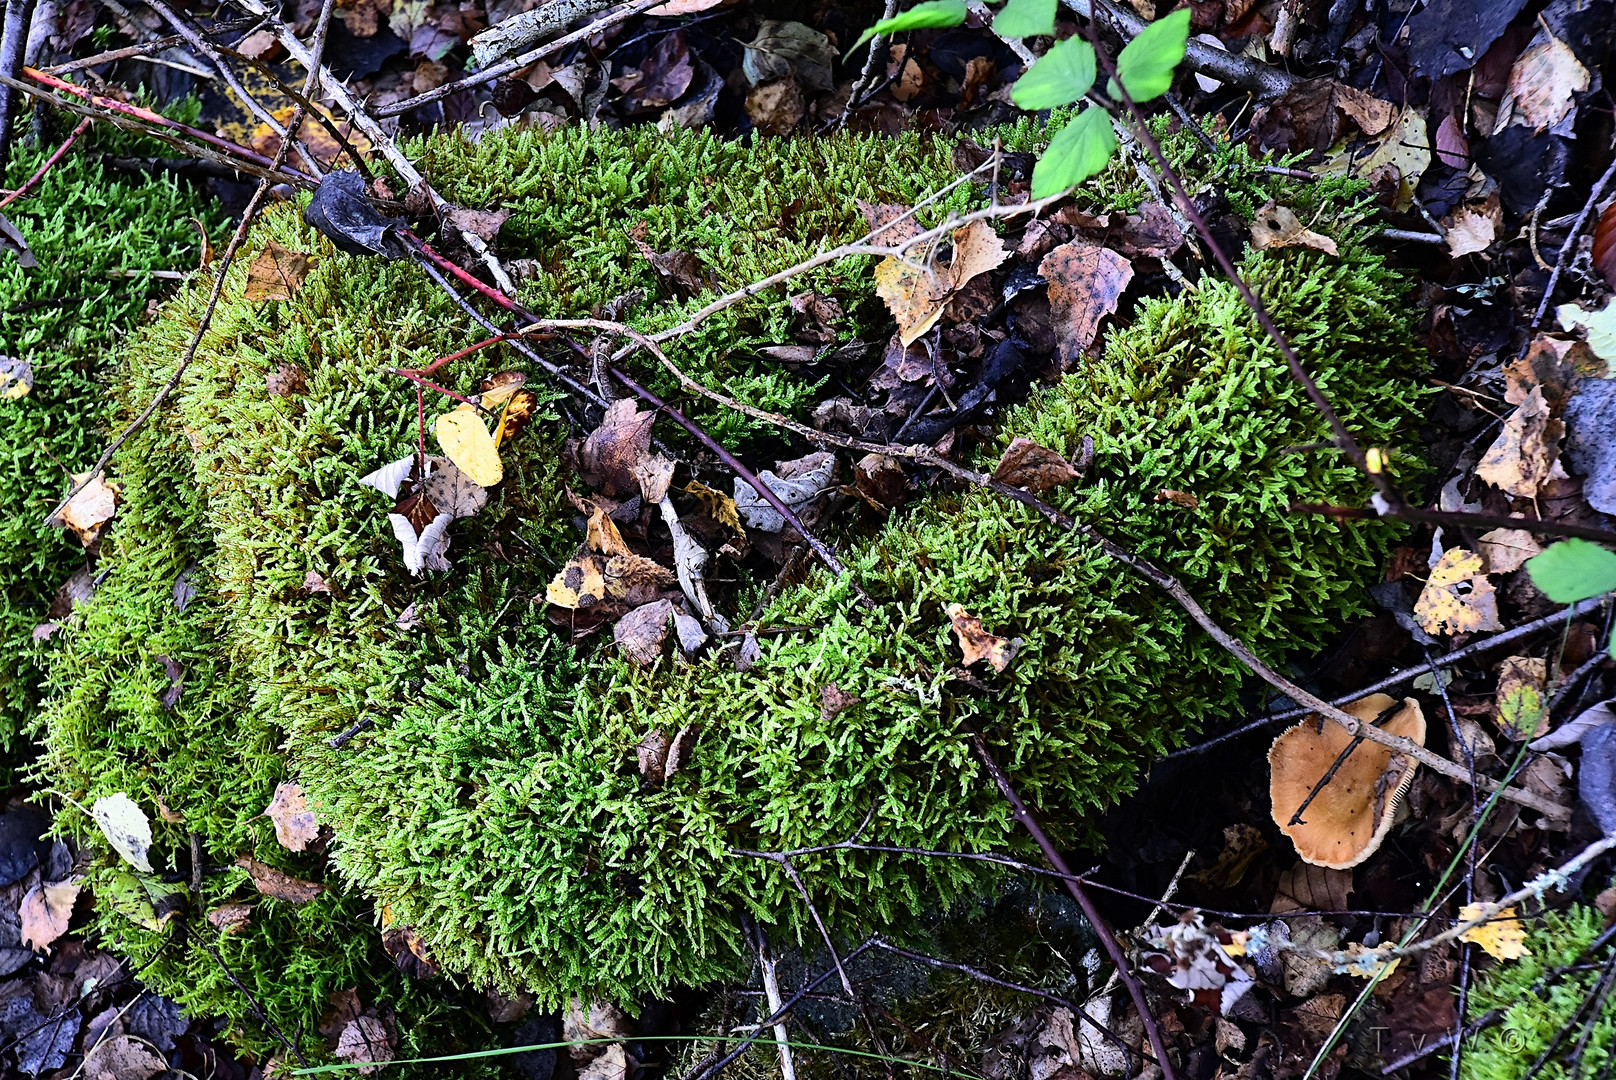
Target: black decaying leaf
341 211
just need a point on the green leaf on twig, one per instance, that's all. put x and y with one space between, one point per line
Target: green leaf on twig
1077 152
1146 64
931 15
1061 76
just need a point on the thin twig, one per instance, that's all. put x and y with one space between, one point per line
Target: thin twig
39 174
1570 244
252 1001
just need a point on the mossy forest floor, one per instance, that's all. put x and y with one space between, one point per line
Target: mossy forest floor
406 698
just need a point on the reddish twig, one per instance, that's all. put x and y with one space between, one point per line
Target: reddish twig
39 174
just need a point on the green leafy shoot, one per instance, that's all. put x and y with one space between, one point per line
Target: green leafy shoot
931 15
1146 63
1025 18
1077 152
1573 570
1061 76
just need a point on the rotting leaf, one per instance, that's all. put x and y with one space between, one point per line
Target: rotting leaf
1025 464
1507 550
122 1058
977 644
1472 230
277 885
1457 597
516 416
126 827
654 472
1520 704
1192 957
451 491
365 1042
1184 499
1086 281
344 214
1278 226
16 378
579 584
409 952
879 480
1501 937
652 753
1543 84
642 631
833 701
295 824
315 584
918 295
499 387
230 918
795 483
46 911
720 507
1526 454
176 682
466 441
612 450
86 512
276 274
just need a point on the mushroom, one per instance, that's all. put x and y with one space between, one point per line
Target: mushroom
1351 813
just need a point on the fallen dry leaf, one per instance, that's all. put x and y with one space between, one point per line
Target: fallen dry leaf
451 491
1526 454
122 1058
654 473
295 826
276 885
1542 85
582 1028
720 507
16 378
466 441
1190 956
612 1064
230 918
1025 464
1472 230
1507 550
516 416
796 483
833 701
287 380
409 952
1520 703
918 295
126 827
641 632
1604 249
977 644
86 512
776 108
1178 498
365 1042
1553 364
1086 282
612 450
661 758
175 674
1457 597
276 274
879 480
1278 226
1306 886
1502 937
46 910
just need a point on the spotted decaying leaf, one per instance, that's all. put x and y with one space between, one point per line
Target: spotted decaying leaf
365 1042
1086 281
1526 454
86 512
604 567
1278 226
612 450
126 827
295 824
16 378
641 632
46 910
409 952
277 885
276 274
977 644
230 918
1501 937
1458 598
1507 550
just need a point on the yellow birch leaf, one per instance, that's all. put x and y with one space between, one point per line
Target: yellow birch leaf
467 443
1502 937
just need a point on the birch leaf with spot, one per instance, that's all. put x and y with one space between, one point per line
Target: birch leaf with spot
126 827
295 824
1458 598
1502 937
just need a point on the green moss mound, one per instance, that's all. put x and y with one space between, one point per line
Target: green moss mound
489 796
1545 1005
65 317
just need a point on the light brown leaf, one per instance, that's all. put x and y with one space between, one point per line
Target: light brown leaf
1308 887
880 481
833 701
895 221
915 295
1458 598
612 450
641 632
496 389
230 918
1526 453
46 910
977 250
1086 282
278 886
1553 364
1543 81
1025 464
295 825
276 274
90 509
122 1058
977 644
1178 498
654 473
1472 230
582 1027
1278 226
365 1042
1507 550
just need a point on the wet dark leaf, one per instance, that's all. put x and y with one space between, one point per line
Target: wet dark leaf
342 212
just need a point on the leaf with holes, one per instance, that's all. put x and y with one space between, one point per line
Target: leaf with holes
1458 598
